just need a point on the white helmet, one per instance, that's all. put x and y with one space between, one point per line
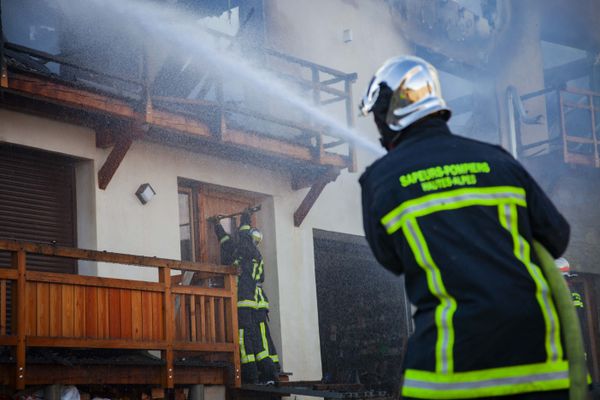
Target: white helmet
256 236
403 91
563 265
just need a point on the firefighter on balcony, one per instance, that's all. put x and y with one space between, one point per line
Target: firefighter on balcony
259 359
458 217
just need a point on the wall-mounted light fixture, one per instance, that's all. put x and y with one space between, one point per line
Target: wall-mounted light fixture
145 193
347 35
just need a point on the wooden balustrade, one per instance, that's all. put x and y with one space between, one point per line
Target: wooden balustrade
42 309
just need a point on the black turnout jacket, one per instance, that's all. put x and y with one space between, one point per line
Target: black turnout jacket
243 253
458 218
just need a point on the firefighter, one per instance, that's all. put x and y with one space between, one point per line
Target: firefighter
458 217
565 268
259 359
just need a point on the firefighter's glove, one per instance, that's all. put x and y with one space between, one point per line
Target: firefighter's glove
215 219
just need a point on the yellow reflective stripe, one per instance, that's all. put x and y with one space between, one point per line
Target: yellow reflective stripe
444 361
253 304
265 343
508 216
246 303
261 302
275 358
244 357
486 383
254 268
449 200
244 228
224 239
261 268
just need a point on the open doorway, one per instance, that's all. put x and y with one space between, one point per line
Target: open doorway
364 317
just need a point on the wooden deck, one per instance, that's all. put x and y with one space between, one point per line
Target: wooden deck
51 310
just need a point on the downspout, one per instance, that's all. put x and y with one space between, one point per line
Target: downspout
513 101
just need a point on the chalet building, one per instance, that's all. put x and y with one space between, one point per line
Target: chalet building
103 101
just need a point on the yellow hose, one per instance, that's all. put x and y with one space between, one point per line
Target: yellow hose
569 322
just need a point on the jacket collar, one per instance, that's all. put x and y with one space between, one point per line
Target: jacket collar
423 129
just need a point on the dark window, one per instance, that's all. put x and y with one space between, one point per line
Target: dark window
186 227
37 203
363 317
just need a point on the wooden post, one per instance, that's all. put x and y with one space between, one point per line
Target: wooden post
3 70
350 122
146 101
221 124
169 321
231 285
594 138
316 87
563 126
113 161
18 262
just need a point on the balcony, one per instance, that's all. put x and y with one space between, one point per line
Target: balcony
194 328
215 120
573 127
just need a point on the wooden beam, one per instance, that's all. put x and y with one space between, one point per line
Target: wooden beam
231 284
311 197
3 70
70 96
95 281
44 374
117 258
181 123
104 138
113 161
164 277
19 263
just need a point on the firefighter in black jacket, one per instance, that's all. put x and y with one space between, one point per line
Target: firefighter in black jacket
458 218
259 359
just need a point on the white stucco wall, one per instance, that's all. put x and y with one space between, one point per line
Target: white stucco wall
313 30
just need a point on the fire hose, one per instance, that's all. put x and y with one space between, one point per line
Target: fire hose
570 323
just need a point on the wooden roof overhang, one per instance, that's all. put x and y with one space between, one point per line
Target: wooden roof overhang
199 126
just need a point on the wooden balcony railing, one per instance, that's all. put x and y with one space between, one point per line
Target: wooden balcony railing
52 310
210 117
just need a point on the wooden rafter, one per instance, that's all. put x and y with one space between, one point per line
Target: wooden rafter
3 71
116 156
311 197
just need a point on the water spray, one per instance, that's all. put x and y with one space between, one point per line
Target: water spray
186 35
